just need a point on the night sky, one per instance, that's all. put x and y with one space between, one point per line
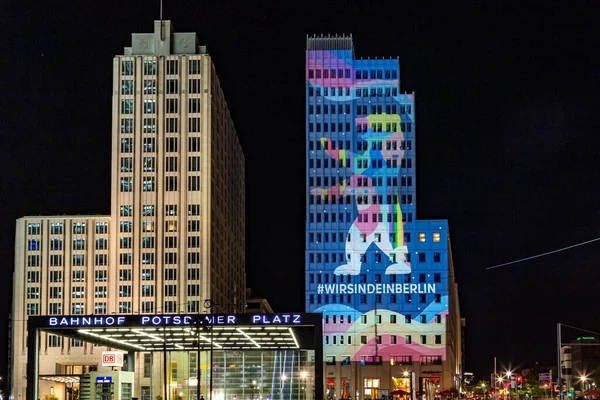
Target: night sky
508 140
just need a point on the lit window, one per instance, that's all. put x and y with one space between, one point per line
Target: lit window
148 211
78 228
56 228
126 226
148 226
436 236
100 308
126 211
421 236
170 209
127 106
149 67
149 86
371 385
149 106
171 226
77 308
126 67
148 184
148 164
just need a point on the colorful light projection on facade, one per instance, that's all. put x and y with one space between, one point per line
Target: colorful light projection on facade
376 301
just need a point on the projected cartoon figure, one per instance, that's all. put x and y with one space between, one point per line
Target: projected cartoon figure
374 186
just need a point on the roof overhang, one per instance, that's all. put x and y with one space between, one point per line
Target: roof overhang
183 332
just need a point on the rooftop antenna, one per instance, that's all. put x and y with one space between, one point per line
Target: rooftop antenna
162 30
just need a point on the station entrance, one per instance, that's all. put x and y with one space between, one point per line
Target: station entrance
186 357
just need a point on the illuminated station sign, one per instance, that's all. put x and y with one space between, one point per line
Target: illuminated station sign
175 319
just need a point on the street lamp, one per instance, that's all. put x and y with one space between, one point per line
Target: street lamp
484 391
508 375
583 379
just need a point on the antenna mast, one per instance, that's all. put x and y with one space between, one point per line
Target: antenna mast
162 24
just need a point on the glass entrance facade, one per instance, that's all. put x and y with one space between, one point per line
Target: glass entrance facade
238 375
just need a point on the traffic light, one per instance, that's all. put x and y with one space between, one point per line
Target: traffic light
519 381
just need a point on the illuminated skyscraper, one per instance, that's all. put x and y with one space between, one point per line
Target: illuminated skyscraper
383 279
178 176
175 235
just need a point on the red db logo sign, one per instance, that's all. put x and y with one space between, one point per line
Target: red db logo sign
112 359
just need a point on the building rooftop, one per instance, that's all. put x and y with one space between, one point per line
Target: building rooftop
164 41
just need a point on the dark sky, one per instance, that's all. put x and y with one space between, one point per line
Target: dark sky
508 138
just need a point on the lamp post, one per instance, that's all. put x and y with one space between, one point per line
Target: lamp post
407 383
303 375
493 382
208 304
199 326
484 391
501 381
508 377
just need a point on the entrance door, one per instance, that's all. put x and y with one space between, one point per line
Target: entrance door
104 391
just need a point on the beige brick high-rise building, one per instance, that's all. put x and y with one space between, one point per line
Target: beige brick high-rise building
175 234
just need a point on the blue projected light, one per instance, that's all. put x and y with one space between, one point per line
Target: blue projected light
369 261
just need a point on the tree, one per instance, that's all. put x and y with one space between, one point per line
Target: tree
531 383
481 387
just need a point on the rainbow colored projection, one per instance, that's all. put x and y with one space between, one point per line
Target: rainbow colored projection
378 275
